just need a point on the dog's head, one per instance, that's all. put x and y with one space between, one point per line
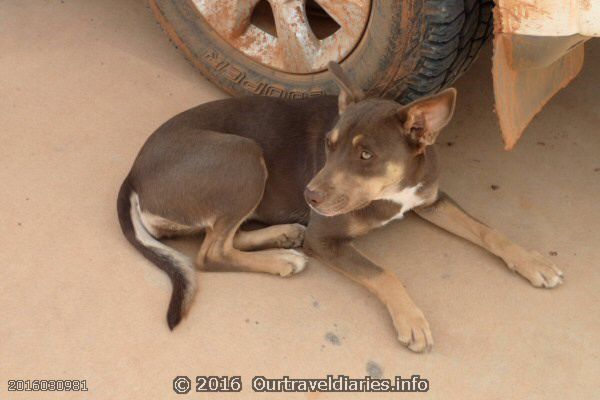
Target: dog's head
373 146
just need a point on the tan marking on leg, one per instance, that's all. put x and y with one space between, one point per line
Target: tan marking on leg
277 261
446 214
411 326
217 253
160 227
276 236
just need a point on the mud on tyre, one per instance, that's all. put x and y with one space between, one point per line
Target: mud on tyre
406 49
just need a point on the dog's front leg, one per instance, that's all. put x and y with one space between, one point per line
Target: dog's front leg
412 327
446 214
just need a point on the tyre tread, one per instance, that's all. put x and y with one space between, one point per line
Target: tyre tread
453 33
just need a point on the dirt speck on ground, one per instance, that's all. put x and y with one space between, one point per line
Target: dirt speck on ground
494 187
333 338
553 253
374 370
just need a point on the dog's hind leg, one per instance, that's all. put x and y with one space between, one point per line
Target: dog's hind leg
234 196
218 253
276 236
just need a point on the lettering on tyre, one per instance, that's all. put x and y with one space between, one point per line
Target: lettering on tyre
239 77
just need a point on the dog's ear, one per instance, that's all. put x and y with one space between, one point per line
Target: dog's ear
423 119
349 93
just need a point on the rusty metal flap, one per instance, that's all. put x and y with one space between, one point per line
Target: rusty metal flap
548 17
538 50
520 93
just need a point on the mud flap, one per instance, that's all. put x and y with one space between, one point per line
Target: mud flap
527 72
538 50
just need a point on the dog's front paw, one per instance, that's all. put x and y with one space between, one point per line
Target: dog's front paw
292 262
292 237
413 329
539 271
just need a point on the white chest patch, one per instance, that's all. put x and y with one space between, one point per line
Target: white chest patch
407 198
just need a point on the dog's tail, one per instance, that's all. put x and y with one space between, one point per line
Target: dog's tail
176 265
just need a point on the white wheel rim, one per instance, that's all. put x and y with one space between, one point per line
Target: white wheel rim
295 48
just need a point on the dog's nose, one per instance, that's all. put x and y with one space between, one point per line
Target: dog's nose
313 197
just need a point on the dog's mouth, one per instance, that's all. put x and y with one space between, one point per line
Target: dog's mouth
340 206
331 208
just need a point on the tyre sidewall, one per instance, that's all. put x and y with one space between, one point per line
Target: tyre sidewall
382 58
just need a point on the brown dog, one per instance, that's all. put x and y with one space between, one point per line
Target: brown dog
360 163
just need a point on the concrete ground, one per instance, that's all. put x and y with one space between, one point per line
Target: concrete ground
83 84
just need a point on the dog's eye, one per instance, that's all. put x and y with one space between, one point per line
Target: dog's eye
365 155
